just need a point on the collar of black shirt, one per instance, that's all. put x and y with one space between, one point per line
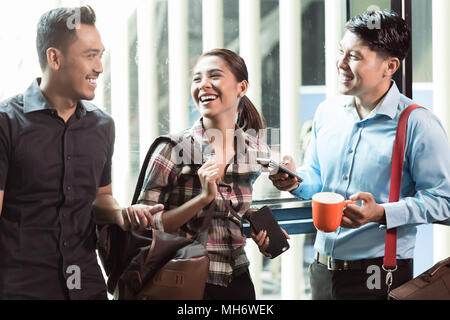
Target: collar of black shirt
34 100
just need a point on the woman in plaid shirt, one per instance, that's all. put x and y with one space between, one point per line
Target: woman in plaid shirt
229 148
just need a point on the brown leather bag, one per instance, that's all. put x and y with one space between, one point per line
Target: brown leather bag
182 278
152 264
433 284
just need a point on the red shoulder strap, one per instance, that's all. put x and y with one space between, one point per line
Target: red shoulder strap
398 153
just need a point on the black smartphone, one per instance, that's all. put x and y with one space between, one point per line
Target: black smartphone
263 219
275 167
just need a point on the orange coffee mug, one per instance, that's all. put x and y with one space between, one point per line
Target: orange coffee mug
328 209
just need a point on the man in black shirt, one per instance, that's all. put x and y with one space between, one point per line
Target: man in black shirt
55 169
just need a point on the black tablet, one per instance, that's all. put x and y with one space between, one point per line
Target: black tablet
263 219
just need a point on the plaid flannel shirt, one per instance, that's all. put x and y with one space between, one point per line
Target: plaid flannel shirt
172 184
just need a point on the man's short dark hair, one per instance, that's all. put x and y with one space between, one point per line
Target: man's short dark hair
382 31
57 29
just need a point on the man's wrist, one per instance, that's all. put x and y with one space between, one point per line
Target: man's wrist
122 218
382 220
295 187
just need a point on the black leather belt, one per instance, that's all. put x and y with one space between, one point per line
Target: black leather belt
341 265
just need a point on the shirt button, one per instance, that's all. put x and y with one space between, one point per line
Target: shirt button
65 243
69 188
345 178
350 151
69 157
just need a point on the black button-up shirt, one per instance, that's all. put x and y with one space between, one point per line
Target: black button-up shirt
50 172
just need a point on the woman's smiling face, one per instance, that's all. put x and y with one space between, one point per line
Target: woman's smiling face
214 88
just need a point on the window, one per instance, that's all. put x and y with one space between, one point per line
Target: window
312 70
152 46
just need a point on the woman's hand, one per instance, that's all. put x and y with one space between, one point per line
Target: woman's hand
262 240
209 177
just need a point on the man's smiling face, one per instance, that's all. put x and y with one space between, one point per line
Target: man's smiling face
361 70
81 64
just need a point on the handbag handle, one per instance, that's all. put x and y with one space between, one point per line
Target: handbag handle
390 251
227 202
202 233
439 266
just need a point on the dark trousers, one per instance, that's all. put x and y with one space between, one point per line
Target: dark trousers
240 288
369 283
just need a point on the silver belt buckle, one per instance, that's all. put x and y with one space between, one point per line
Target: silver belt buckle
346 265
330 267
329 264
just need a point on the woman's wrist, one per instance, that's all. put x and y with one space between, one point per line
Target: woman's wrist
205 199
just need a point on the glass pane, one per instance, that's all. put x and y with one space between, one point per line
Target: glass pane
422 41
422 53
359 6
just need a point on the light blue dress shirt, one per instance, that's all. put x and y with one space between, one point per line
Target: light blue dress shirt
348 155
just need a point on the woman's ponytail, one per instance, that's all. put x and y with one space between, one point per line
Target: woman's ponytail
248 116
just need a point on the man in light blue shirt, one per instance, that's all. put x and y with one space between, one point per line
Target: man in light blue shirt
350 153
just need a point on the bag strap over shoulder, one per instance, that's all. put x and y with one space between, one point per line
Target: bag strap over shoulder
398 155
187 150
151 150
